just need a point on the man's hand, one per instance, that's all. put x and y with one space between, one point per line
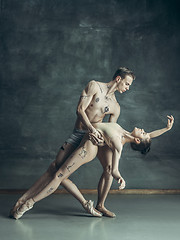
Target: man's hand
122 183
170 122
96 138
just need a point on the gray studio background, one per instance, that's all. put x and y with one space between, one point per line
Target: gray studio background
49 50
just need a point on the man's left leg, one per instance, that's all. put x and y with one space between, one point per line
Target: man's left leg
105 157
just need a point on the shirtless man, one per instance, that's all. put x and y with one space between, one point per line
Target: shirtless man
97 100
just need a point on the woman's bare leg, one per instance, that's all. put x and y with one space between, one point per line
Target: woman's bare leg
72 189
62 155
85 153
105 157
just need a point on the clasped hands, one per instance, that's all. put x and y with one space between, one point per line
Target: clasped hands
96 138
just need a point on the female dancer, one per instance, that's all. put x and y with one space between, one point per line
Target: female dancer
115 137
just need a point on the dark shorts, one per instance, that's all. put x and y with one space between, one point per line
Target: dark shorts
76 137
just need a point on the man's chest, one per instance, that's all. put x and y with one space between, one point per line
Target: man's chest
103 104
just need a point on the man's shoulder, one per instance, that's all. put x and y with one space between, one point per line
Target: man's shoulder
92 84
91 87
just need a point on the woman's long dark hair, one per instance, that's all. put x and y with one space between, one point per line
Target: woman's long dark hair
143 146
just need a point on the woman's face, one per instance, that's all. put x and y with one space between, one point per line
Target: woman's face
140 133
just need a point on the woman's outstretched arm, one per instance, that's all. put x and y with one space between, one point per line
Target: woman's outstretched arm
159 132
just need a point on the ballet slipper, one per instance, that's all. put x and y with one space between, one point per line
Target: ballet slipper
23 208
88 206
11 213
15 207
105 212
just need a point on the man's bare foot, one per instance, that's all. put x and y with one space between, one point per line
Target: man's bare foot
88 206
105 212
23 208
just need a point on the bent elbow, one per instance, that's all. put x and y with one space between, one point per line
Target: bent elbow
79 111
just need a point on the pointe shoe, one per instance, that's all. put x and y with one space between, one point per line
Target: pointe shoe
11 213
15 207
105 212
88 206
22 209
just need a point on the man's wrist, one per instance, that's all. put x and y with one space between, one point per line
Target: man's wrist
91 129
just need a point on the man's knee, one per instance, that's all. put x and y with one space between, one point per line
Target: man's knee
108 170
52 169
63 147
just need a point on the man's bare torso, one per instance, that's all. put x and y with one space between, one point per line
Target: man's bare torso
100 105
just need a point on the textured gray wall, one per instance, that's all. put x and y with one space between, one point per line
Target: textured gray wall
51 49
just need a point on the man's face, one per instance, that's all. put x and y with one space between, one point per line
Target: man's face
125 83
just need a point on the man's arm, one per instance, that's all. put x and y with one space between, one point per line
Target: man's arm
159 132
85 99
114 116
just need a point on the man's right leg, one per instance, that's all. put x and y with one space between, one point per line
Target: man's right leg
105 157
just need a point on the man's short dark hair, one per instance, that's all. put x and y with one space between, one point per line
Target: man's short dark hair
123 72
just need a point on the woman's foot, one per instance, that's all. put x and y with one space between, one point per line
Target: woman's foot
15 207
105 212
23 208
88 206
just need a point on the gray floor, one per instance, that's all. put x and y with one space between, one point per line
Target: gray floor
61 217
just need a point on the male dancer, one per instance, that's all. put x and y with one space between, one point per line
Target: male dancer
97 100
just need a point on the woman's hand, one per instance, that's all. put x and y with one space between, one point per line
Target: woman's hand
116 175
170 122
122 183
159 132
